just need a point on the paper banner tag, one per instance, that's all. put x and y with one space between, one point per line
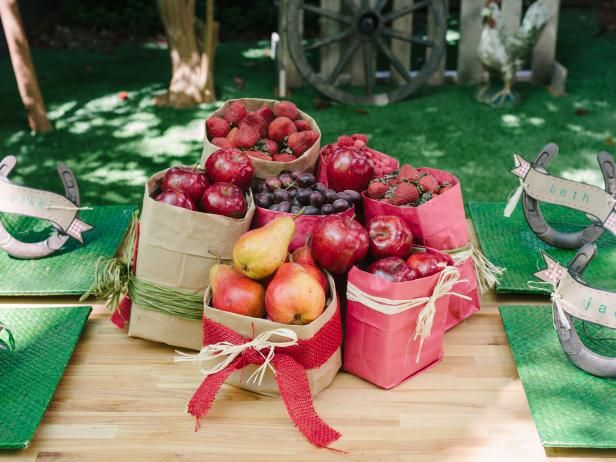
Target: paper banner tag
45 205
579 196
577 299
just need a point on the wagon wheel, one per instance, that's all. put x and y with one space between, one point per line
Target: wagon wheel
366 30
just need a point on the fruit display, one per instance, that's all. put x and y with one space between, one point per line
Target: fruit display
277 133
297 191
407 186
219 189
261 280
351 164
418 265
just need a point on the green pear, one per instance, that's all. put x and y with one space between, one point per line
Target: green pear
260 252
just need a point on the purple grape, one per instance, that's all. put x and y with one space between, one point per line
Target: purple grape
310 210
264 199
296 203
286 180
316 199
330 196
344 195
291 192
295 209
296 173
320 187
261 187
340 205
280 195
284 206
273 183
274 208
303 196
327 209
306 180
354 196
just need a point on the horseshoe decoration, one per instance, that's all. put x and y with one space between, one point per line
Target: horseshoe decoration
538 186
572 298
61 211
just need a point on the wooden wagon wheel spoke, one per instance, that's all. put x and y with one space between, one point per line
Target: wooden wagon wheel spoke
328 41
343 61
404 73
403 12
360 41
408 38
327 13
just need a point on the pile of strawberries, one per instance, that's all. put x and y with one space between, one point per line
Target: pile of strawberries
406 187
276 133
359 142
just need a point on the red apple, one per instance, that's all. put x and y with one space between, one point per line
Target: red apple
234 292
224 199
392 269
390 236
338 243
426 264
190 181
230 166
348 168
294 296
177 198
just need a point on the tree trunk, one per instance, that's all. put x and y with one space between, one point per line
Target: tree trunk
22 65
191 60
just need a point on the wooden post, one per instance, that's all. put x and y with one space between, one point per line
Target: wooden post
402 50
470 70
293 78
439 74
357 61
545 50
23 67
329 55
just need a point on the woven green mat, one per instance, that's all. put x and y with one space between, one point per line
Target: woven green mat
71 270
570 407
510 243
44 342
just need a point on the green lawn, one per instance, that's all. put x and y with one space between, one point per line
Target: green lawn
114 145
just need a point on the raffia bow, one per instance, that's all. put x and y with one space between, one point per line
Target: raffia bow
448 278
224 353
487 272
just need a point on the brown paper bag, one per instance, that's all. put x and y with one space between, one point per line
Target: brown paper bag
318 378
174 251
264 168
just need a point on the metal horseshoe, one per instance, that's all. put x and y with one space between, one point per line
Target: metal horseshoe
578 353
30 250
537 222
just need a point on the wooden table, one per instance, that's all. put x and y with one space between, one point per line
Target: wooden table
123 400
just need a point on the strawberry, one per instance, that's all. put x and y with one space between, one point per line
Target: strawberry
267 113
300 142
377 190
408 172
216 127
361 136
248 136
232 136
428 183
286 109
268 146
235 112
345 140
281 128
302 125
445 187
257 155
284 157
404 194
222 142
255 121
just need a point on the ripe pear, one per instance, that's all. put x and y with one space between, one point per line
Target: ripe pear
234 292
294 296
260 252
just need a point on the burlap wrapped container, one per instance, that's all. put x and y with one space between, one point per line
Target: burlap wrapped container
319 378
264 168
176 249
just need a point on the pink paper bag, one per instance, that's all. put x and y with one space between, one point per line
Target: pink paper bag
380 344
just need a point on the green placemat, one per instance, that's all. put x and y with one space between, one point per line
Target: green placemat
511 244
45 339
570 407
71 270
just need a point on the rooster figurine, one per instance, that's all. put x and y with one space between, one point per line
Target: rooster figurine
503 53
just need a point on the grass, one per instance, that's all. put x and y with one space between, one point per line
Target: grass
114 145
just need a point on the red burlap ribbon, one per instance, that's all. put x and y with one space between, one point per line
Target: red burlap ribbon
121 315
290 364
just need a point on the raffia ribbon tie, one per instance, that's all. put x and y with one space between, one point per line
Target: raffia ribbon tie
448 278
520 170
562 305
488 273
228 352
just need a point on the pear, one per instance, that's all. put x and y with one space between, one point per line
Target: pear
294 296
234 292
260 252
